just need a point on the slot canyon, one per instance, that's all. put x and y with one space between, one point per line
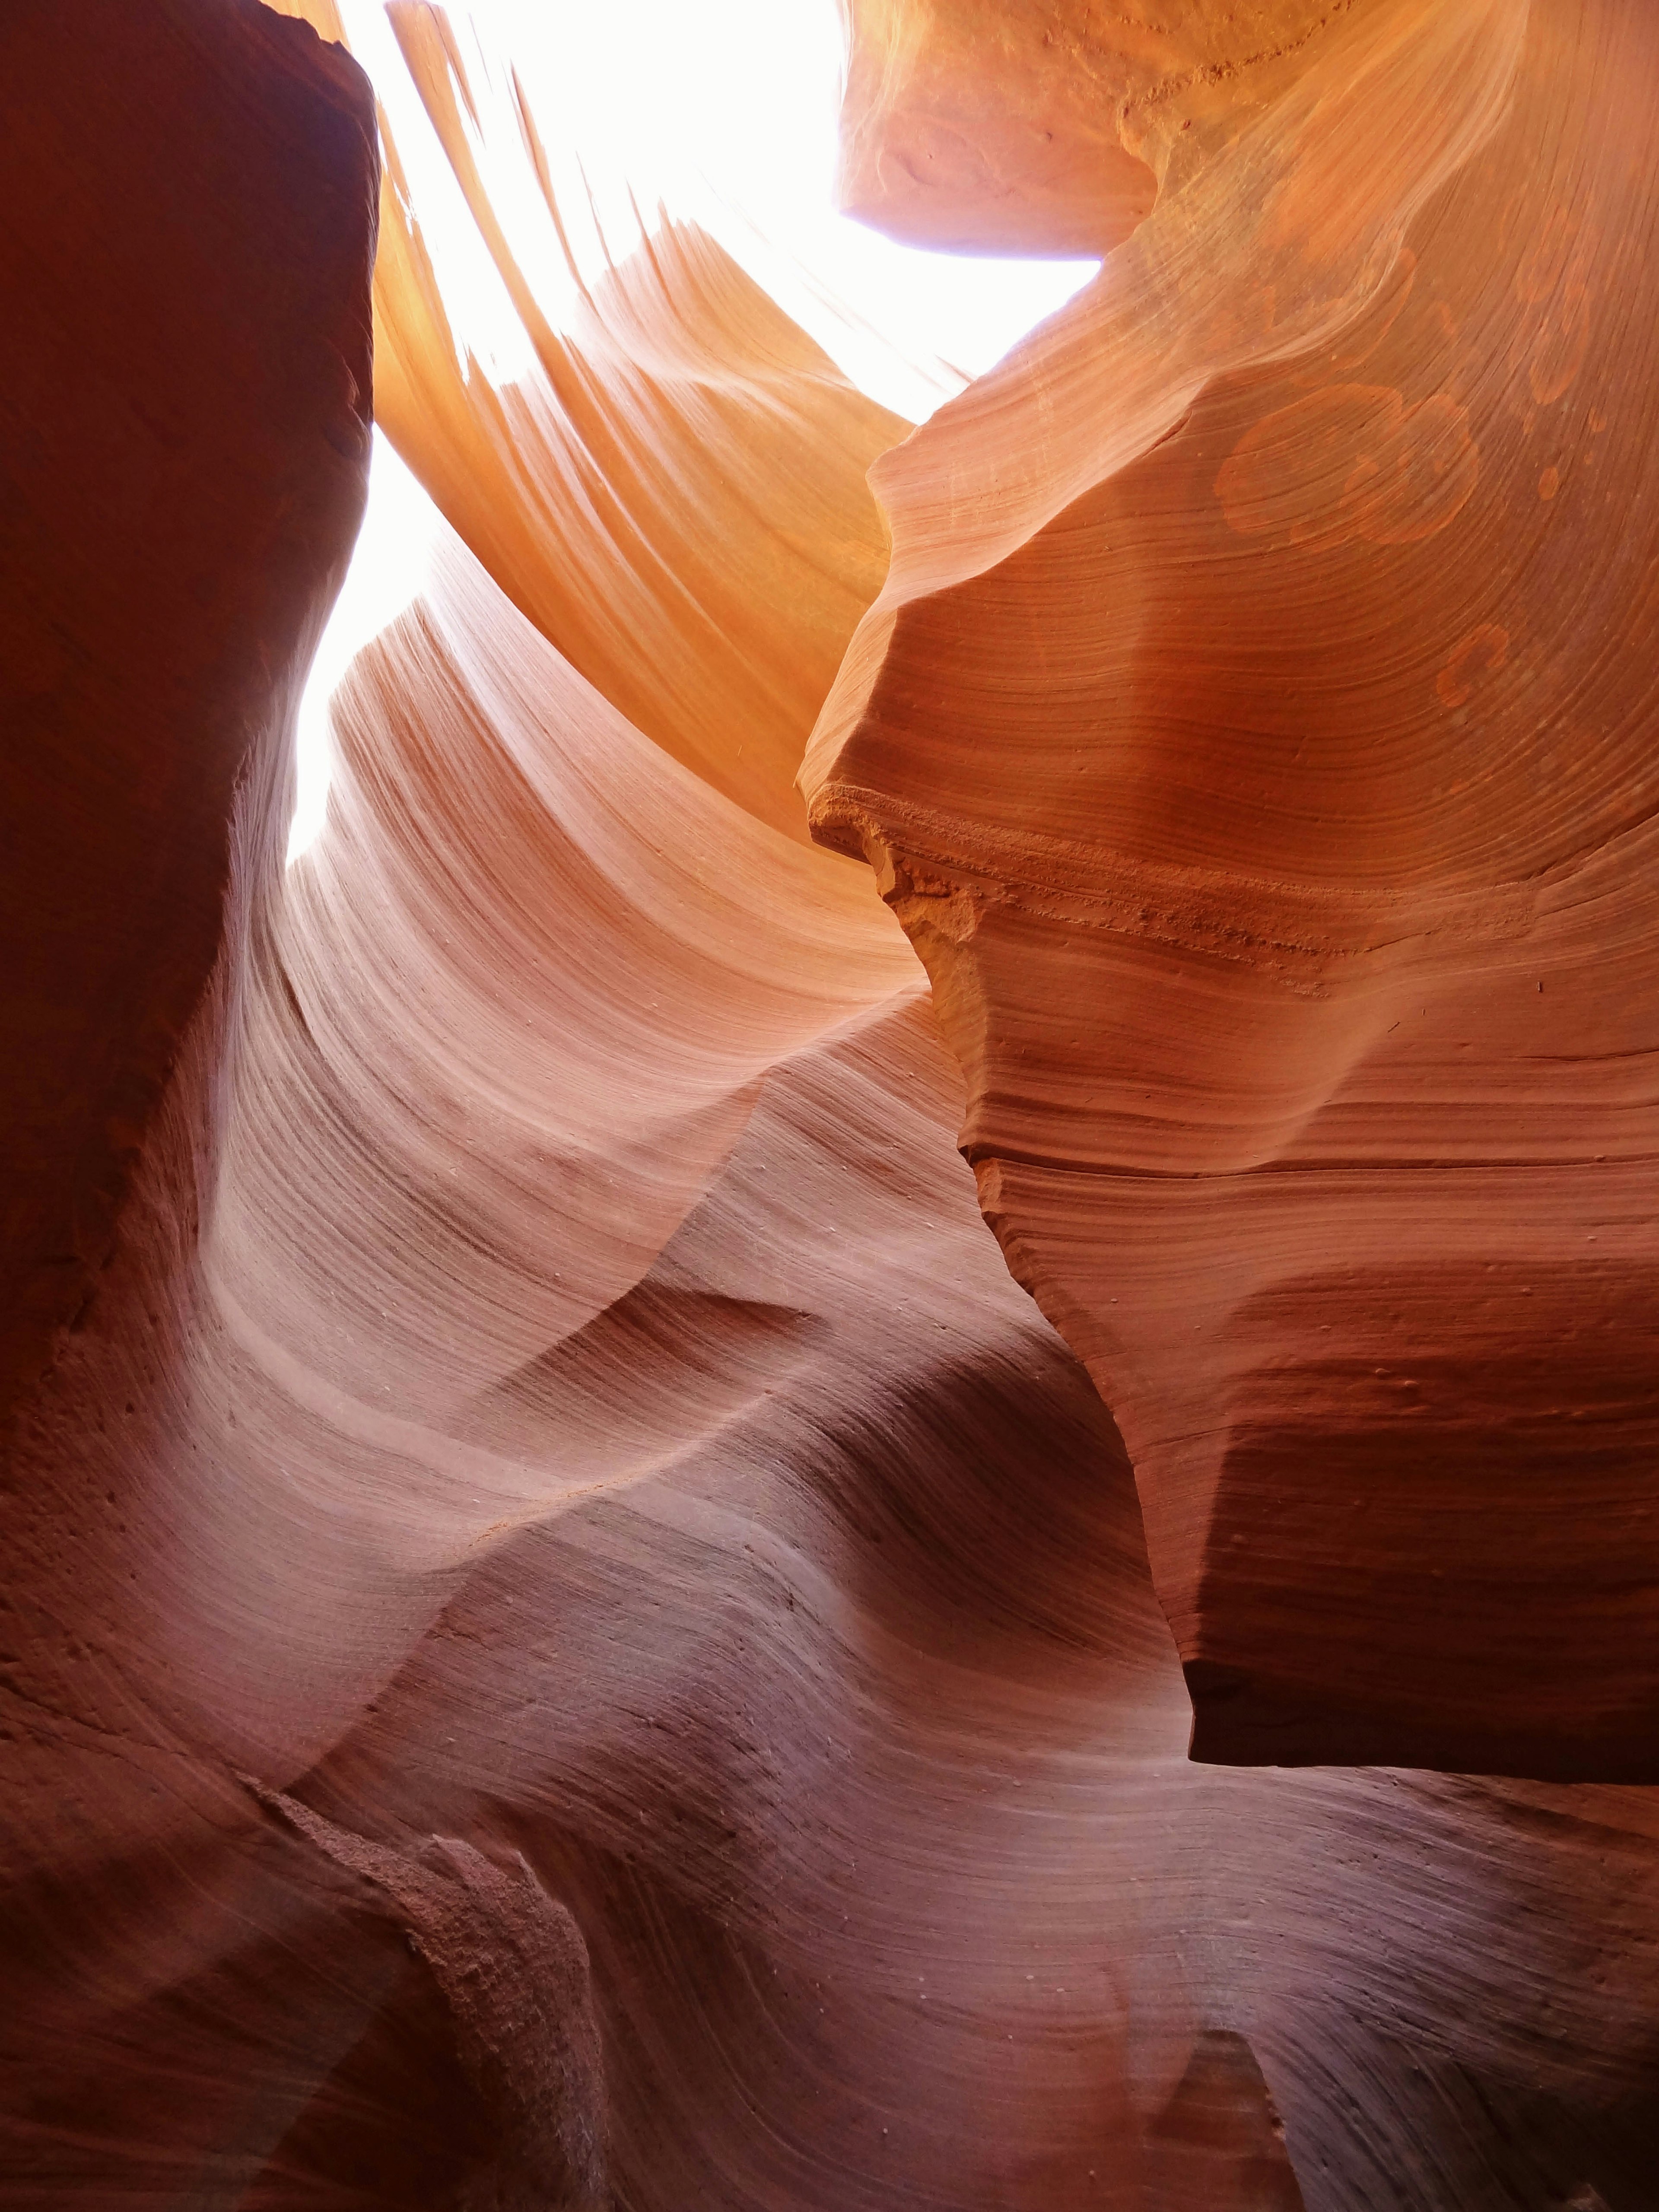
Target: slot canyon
865 1412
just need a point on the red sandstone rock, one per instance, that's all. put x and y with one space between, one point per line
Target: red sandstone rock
184 382
980 128
552 1389
1257 742
512 1970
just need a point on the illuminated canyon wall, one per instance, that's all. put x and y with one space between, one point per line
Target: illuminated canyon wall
576 1633
1255 739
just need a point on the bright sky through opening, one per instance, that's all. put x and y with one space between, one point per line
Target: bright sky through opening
722 111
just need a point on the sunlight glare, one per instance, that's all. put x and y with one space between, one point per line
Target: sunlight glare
721 111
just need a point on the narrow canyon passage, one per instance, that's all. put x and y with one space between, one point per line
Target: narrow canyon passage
860 1413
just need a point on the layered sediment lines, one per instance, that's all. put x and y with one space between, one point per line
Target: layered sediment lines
574 1636
1255 736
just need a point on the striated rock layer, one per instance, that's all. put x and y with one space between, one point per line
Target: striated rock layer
1256 735
573 1636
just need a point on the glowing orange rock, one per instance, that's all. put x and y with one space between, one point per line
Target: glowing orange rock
553 1419
1256 735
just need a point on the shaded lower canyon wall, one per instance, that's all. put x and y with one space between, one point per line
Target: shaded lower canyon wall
572 1636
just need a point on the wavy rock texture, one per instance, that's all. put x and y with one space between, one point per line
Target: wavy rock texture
1255 736
574 1636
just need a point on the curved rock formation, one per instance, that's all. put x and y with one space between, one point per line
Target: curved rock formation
186 473
982 130
513 1969
1255 739
571 1633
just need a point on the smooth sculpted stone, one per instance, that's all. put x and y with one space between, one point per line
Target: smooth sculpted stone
571 1636
184 432
1256 735
987 126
